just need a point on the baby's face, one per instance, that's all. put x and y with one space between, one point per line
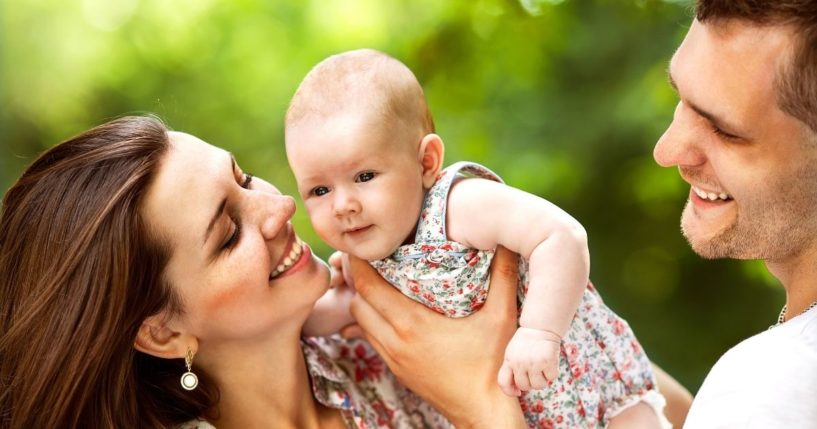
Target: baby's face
361 182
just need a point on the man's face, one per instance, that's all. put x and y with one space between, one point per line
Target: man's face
752 168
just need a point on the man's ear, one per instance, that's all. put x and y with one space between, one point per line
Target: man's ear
156 339
431 158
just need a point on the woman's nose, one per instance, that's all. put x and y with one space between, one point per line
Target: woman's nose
679 145
277 210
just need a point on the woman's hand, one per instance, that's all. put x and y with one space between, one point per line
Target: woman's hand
451 363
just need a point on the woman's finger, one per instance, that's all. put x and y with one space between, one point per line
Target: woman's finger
502 293
371 321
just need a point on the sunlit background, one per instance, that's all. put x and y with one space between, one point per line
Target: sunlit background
564 99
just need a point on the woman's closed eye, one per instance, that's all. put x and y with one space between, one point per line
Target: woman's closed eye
365 176
232 240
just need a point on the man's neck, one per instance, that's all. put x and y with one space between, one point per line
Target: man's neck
798 274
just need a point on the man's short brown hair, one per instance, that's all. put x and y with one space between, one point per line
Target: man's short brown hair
796 82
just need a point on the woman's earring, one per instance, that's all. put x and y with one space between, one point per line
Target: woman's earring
189 380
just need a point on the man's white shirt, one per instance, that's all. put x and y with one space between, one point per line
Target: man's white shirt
766 381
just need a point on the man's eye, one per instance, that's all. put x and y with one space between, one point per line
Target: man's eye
320 190
720 133
365 177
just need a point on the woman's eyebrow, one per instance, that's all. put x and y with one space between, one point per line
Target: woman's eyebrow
220 208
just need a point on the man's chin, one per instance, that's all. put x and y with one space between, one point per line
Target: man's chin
726 244
707 246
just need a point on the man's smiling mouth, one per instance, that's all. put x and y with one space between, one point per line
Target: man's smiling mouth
711 196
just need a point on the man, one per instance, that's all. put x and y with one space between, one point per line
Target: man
744 136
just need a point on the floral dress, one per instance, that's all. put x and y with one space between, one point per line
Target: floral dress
603 368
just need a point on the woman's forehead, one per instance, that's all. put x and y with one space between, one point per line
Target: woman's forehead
187 188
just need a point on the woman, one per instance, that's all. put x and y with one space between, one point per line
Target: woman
130 255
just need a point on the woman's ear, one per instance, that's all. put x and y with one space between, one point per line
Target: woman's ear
156 339
431 158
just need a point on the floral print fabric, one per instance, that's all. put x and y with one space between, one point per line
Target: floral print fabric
350 376
602 368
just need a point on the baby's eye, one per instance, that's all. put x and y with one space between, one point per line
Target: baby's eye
319 191
365 177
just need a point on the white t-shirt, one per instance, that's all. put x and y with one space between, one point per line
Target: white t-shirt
767 381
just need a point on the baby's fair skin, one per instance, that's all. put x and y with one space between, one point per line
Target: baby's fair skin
363 170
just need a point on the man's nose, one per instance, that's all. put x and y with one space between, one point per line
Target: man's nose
679 145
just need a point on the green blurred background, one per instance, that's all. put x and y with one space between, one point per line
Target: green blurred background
564 99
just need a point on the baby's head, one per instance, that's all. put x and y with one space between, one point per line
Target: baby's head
360 141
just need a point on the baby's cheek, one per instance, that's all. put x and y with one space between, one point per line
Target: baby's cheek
328 233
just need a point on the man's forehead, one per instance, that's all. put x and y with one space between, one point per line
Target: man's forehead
729 63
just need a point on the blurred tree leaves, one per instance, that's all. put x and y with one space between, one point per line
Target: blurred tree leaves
564 99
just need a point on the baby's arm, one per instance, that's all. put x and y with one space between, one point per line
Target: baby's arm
331 311
483 214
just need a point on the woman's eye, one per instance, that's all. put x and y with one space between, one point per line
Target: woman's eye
231 242
365 177
320 190
247 180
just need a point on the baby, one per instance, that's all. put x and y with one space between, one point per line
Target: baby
361 143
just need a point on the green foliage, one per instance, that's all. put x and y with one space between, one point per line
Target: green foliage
565 99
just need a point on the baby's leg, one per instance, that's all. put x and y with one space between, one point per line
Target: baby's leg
638 416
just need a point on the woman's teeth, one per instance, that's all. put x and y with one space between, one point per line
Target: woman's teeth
711 196
290 259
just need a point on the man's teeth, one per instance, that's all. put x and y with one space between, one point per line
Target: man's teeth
290 259
711 196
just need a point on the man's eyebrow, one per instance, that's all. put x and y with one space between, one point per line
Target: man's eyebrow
711 117
220 208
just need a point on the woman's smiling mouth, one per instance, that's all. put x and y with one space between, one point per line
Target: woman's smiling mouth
297 250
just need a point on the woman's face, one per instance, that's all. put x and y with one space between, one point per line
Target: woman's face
241 272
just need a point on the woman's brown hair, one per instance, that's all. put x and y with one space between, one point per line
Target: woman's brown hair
796 82
79 272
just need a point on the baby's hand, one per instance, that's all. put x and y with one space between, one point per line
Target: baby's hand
531 361
339 263
331 312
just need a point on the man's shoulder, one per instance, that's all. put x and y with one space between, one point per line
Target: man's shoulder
763 379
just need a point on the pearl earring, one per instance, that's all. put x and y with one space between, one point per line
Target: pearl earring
189 380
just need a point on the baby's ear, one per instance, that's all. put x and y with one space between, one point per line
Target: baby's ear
431 158
156 339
